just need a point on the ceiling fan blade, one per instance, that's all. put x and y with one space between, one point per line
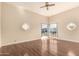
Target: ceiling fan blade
51 5
42 6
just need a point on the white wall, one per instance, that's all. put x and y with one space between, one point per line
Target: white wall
62 20
13 18
0 24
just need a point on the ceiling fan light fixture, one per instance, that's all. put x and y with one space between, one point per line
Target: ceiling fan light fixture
47 5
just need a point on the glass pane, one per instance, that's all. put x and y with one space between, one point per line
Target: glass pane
53 28
44 29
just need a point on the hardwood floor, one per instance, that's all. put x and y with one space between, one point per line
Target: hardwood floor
64 48
34 48
30 48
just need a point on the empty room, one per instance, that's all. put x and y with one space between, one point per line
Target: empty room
39 29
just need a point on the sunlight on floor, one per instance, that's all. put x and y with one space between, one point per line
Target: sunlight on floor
71 53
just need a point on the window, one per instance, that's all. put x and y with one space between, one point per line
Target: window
49 29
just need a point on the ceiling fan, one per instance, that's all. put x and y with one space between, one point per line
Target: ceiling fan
47 5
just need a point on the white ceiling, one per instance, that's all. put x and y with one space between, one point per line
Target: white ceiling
35 7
